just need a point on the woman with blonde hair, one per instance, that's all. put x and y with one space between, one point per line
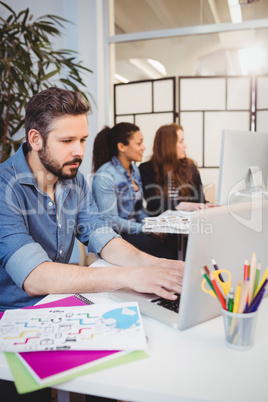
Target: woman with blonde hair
170 179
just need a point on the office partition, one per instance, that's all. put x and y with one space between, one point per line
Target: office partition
148 104
204 106
261 91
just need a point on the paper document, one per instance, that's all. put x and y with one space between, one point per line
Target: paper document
168 222
93 327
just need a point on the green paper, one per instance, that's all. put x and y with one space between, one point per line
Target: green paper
24 381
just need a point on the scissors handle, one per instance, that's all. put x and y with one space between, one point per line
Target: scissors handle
226 285
218 275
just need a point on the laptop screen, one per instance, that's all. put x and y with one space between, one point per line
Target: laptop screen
229 235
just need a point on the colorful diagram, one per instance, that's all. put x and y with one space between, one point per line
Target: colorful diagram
93 327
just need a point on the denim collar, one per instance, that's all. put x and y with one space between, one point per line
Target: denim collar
23 172
119 165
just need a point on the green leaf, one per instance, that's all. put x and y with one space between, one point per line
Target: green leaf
29 62
47 76
9 8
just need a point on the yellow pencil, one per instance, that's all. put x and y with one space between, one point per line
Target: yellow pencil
237 297
265 276
236 306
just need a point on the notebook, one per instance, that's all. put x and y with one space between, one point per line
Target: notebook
35 370
228 234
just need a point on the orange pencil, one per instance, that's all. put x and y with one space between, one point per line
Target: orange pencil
218 292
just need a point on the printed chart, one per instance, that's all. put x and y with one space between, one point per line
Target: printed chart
94 327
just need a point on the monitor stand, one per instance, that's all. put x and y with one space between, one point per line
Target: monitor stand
255 188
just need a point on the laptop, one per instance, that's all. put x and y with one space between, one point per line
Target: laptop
229 235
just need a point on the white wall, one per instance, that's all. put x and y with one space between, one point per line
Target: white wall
84 35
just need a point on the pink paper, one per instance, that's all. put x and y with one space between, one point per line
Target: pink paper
46 364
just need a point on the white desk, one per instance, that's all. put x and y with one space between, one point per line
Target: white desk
193 365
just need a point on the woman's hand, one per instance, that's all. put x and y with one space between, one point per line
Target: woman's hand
194 206
158 236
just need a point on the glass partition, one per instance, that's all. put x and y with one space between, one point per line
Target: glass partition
226 53
147 15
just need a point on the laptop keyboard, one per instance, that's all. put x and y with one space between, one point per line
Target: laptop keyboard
172 305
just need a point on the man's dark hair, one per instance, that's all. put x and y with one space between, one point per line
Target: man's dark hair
45 107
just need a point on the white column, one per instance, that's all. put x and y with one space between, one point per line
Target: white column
92 47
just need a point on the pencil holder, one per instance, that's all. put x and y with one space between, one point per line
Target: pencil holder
239 329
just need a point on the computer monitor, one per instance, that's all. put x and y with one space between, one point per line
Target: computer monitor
243 167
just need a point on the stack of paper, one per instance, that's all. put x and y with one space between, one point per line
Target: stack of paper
168 223
97 337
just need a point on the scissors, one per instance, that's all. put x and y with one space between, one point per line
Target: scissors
226 285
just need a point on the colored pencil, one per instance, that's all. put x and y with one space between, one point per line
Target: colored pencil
237 297
252 275
243 297
230 300
256 301
257 276
207 270
236 305
216 268
265 276
218 292
246 269
203 272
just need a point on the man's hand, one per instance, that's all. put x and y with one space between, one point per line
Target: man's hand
143 272
131 268
164 278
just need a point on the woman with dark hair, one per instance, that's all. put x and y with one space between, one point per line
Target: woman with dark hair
170 179
117 187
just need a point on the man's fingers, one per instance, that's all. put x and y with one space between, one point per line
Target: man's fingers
161 292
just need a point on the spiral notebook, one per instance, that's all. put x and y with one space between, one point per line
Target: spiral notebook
35 370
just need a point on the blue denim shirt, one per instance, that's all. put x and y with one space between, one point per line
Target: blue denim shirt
34 230
114 193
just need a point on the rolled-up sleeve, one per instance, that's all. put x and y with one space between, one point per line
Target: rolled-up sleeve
27 258
100 237
19 253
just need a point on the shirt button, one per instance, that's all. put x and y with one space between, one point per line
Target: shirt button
60 251
50 204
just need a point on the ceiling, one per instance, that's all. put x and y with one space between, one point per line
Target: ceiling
207 54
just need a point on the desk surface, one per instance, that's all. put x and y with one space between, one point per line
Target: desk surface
192 365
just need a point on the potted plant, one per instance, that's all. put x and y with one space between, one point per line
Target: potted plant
28 64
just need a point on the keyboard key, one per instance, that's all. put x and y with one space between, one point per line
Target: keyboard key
172 305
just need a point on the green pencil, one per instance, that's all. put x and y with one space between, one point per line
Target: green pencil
258 270
203 272
230 300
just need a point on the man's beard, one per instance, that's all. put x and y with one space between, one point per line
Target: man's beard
55 168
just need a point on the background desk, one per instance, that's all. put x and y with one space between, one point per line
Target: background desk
162 224
192 365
